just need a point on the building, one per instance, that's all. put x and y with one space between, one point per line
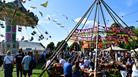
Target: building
25 45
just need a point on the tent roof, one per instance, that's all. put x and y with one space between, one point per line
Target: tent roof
135 50
115 48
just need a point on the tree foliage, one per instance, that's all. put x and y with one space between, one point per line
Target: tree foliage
123 37
51 46
64 47
75 46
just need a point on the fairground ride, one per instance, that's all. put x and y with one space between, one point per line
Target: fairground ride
14 13
98 10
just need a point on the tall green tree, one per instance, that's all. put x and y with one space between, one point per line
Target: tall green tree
136 30
64 47
51 46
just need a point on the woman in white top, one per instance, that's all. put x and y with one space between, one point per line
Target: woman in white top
135 69
8 61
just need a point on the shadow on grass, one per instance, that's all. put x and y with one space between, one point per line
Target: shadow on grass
35 73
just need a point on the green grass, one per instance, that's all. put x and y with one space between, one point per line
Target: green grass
36 73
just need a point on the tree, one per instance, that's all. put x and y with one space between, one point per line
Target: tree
51 46
64 47
136 31
75 46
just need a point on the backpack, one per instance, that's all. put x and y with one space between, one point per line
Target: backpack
32 64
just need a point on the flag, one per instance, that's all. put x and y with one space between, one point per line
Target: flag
49 18
19 29
33 7
39 39
31 39
22 38
58 23
23 1
46 32
2 26
33 33
41 13
2 35
49 36
62 26
45 4
73 20
54 20
65 17
33 27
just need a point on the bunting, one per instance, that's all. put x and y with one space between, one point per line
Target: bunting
41 13
1 25
58 23
33 33
49 18
46 32
33 27
31 39
33 7
1 35
22 38
49 36
45 4
65 17
19 29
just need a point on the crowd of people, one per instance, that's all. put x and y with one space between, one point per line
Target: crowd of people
81 64
24 62
73 63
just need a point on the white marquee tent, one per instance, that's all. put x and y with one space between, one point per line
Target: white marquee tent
115 48
135 50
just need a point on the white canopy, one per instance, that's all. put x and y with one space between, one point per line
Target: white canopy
115 48
135 50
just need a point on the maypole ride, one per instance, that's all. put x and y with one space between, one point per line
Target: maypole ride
99 17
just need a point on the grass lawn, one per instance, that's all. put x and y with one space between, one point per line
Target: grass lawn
36 73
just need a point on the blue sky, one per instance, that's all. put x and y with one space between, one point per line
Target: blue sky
73 9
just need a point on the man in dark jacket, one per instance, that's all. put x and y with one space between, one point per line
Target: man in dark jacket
18 60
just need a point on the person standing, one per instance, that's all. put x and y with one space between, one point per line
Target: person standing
67 67
37 56
32 63
8 64
123 68
18 60
76 71
135 69
25 63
